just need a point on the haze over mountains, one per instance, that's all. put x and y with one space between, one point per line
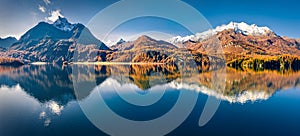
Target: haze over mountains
59 41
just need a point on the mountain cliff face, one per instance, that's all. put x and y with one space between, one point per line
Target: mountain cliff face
54 42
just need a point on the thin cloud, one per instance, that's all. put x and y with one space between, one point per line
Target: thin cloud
47 2
54 16
42 8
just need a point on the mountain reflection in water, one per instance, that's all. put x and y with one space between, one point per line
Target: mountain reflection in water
52 83
49 88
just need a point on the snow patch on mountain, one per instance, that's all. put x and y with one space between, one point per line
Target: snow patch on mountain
63 24
197 37
111 43
242 28
121 41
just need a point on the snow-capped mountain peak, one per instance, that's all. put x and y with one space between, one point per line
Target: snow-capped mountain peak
196 37
63 24
121 41
242 28
112 42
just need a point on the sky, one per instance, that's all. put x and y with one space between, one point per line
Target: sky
18 16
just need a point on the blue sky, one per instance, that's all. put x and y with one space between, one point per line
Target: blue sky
283 17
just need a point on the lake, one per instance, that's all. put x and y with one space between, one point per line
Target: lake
147 100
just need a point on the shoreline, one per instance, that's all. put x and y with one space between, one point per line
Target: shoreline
100 63
116 63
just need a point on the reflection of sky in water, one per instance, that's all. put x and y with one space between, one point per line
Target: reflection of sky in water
15 99
245 96
22 114
19 109
30 112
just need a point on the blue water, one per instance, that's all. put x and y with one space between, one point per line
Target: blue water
41 100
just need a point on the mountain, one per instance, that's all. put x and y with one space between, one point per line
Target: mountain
143 49
111 43
233 42
241 40
7 42
54 42
58 42
143 42
2 49
245 29
121 41
242 28
63 24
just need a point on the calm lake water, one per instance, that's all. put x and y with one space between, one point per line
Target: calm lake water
98 100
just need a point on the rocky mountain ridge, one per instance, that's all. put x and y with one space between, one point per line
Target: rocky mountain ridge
60 41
